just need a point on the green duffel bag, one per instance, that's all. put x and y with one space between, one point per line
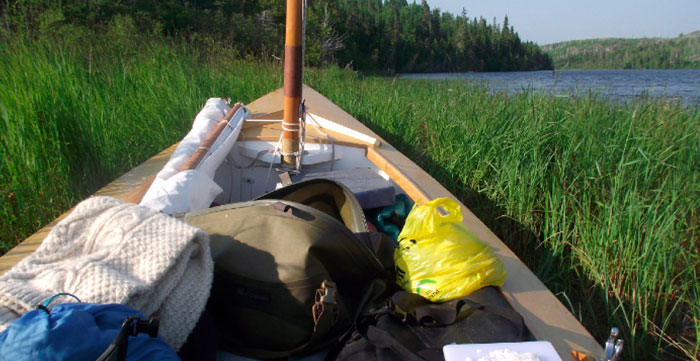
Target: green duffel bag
289 278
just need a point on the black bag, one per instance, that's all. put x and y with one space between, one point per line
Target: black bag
412 328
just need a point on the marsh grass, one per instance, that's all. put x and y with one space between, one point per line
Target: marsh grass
601 201
75 115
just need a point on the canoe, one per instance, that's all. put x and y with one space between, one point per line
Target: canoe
340 139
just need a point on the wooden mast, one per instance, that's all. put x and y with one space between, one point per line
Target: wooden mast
293 58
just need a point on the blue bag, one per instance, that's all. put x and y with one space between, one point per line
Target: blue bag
83 331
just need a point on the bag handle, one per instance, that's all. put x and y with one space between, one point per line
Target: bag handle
423 220
454 213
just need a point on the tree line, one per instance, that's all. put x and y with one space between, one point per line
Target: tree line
367 35
682 52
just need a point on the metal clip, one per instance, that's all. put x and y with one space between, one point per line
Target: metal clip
610 344
618 350
613 347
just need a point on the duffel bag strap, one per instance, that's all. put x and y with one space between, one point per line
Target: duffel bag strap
382 339
429 314
448 313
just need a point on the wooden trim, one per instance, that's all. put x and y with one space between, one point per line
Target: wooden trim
136 195
403 181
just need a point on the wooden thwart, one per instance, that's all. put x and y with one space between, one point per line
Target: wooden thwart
270 132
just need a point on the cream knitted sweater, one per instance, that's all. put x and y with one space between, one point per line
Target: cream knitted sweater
107 251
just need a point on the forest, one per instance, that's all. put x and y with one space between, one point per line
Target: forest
681 52
368 35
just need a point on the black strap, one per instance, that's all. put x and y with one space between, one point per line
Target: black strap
428 314
383 339
132 326
446 313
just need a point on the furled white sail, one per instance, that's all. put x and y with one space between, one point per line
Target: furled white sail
174 191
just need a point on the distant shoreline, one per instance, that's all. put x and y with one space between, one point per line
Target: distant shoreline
682 52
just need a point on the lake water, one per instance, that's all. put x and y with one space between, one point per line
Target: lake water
618 85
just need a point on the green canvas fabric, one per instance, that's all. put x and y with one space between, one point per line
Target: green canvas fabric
328 196
271 257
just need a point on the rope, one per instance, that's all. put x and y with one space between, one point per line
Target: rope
286 128
257 157
317 126
50 299
302 123
277 150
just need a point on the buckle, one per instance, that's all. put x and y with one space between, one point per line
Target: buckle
326 294
325 298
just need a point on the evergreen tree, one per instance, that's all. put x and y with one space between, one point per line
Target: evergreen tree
389 35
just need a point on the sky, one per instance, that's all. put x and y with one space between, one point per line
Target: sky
550 21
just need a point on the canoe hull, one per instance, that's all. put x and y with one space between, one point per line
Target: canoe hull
546 317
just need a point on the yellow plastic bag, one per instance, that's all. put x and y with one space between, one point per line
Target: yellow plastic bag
439 258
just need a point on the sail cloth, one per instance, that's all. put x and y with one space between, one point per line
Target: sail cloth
107 251
174 191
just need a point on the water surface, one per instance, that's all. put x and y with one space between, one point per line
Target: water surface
618 85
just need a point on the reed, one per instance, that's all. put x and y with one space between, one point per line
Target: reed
600 200
75 115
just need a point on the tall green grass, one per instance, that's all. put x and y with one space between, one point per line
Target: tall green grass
76 114
600 200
